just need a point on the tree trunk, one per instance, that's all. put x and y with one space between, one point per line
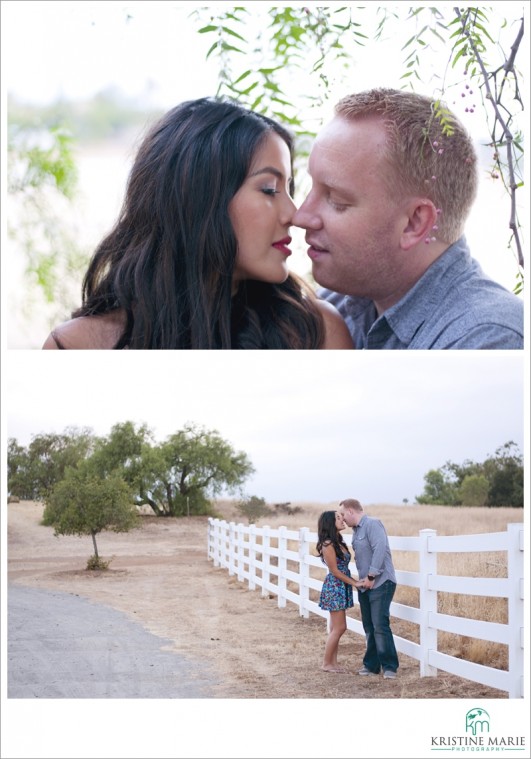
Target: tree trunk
154 505
94 544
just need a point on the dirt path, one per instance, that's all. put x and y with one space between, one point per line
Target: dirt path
160 577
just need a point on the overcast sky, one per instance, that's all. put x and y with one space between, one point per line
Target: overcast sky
317 425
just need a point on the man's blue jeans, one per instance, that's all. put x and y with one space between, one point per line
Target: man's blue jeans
374 605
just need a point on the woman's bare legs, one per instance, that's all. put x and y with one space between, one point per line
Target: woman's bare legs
338 625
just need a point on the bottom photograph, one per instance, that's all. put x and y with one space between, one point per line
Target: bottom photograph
267 526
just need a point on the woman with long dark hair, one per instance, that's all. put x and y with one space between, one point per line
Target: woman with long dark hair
198 256
336 594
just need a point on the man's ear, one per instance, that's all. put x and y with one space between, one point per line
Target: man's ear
422 217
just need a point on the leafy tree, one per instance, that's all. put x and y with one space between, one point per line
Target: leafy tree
34 470
42 181
43 190
438 489
122 451
259 50
474 490
82 504
176 476
253 508
179 475
506 476
18 482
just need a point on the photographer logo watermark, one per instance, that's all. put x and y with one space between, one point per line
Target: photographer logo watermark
478 735
477 722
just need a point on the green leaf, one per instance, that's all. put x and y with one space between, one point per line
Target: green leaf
257 102
225 46
242 76
459 54
249 89
436 33
211 50
233 33
485 32
270 70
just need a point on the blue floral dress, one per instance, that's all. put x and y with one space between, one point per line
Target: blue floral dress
336 594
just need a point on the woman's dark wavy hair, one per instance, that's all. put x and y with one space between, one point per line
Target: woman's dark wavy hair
327 533
169 260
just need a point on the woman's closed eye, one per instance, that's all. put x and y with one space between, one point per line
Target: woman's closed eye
270 191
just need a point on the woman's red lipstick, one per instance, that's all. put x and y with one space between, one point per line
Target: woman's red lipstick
282 245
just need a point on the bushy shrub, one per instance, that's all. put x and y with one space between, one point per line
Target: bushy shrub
96 562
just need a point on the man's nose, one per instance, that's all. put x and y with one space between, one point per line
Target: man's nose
306 216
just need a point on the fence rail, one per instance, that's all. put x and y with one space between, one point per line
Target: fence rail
260 556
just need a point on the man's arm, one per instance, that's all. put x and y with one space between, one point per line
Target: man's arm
377 537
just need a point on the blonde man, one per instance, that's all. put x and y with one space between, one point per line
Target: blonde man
394 177
375 568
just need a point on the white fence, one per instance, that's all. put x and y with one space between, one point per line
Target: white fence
247 551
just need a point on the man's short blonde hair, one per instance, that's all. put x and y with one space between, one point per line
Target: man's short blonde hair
352 504
422 159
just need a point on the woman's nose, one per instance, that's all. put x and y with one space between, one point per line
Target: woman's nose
288 211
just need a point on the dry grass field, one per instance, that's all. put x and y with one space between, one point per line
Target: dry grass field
160 576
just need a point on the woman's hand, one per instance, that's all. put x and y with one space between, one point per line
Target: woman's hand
366 583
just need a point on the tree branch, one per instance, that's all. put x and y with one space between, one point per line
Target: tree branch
498 118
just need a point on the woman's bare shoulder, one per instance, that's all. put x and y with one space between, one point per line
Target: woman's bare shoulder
337 336
87 333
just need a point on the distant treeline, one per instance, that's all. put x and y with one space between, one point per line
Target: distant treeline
497 481
107 115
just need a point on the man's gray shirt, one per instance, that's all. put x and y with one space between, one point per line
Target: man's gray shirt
453 305
371 551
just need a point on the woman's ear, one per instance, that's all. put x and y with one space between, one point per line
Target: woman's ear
421 219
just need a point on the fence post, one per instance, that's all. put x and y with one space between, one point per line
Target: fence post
240 551
219 532
252 557
213 540
427 602
232 546
223 541
515 603
282 564
209 538
304 572
266 544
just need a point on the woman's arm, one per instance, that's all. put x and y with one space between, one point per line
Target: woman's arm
329 555
337 336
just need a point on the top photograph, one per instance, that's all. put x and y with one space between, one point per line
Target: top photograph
190 177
